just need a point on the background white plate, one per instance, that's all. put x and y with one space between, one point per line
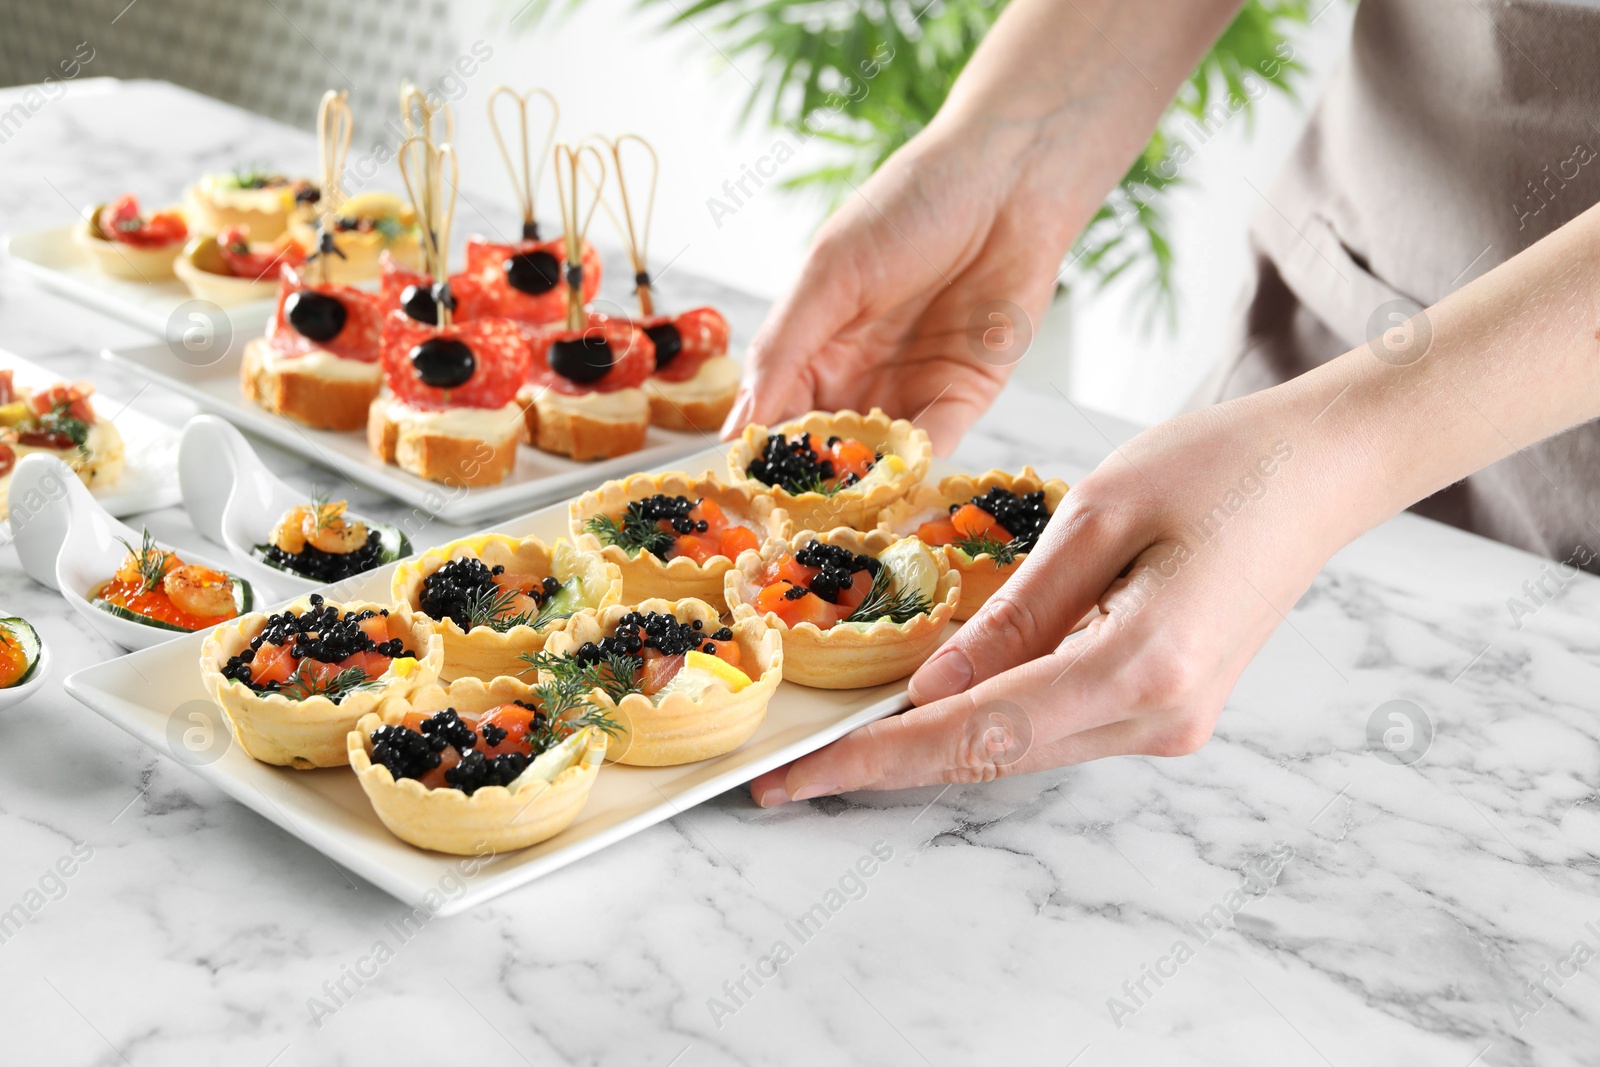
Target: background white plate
537 479
150 471
50 257
152 695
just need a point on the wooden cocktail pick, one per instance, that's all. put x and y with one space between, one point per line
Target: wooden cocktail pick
431 175
524 178
335 128
570 168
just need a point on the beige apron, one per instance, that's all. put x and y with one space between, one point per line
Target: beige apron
1455 134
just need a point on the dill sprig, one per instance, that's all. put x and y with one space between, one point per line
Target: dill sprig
325 512
151 561
58 421
1004 552
302 686
492 606
615 674
567 709
884 602
634 534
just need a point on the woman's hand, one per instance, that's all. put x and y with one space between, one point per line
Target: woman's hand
1193 541
895 286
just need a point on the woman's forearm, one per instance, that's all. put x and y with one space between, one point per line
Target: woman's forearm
1513 358
1066 92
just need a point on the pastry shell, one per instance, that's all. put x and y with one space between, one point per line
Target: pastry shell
126 261
980 575
496 818
647 576
360 253
855 507
304 734
682 729
484 652
846 657
200 267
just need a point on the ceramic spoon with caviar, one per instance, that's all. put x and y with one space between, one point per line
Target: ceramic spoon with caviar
318 363
452 413
694 382
583 396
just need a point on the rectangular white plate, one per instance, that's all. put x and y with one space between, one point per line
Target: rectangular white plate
150 471
51 259
150 694
537 479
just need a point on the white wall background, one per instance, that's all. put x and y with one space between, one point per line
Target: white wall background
615 71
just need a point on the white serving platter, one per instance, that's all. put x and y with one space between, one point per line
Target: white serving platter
157 697
50 258
537 479
150 472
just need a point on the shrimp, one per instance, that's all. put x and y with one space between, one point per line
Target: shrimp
328 529
199 590
288 535
146 565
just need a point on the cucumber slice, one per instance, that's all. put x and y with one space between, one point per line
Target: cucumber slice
243 600
22 631
393 545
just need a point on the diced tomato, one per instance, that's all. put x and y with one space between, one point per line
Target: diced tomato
514 720
233 244
8 459
272 663
8 385
434 779
938 532
74 397
120 221
658 670
972 521
737 539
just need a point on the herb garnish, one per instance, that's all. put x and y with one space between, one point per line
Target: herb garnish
883 602
1005 553
301 686
634 534
615 674
151 561
491 606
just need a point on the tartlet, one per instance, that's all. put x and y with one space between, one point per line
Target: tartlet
262 202
495 818
483 651
981 573
904 453
365 227
230 268
846 655
646 575
682 726
308 733
144 247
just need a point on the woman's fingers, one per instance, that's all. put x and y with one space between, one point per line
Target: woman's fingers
993 729
1077 558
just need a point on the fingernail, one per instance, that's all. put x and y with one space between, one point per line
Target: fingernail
948 673
807 792
771 798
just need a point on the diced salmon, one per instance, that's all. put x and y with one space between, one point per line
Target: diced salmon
434 779
514 720
851 597
938 532
377 628
710 512
658 670
698 547
372 664
972 521
272 663
727 651
736 539
852 457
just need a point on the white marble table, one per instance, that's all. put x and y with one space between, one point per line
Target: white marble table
1408 915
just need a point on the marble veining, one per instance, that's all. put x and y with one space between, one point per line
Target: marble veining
1282 897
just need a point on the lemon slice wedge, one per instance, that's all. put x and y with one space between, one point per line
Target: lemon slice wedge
722 670
911 567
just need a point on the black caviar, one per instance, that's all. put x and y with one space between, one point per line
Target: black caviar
321 566
320 633
791 464
449 592
637 631
412 753
836 566
670 509
1023 515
